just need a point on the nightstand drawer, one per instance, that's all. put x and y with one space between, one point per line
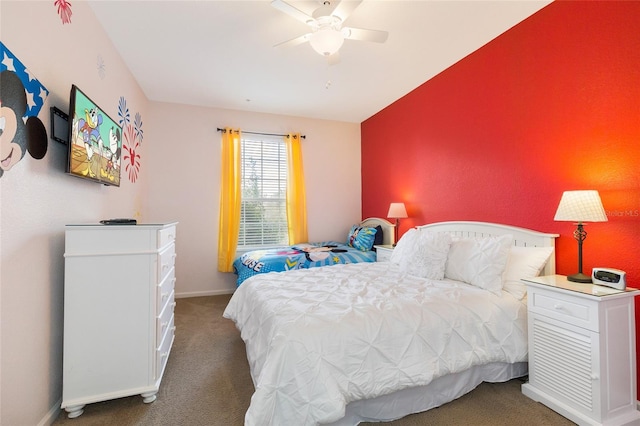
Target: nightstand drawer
571 310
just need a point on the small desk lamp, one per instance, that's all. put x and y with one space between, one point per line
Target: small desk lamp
580 206
397 211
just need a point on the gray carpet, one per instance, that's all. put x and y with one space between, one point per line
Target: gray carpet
207 382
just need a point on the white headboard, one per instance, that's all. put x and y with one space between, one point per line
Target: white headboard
387 228
521 236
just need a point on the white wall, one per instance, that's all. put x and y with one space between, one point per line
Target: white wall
184 166
178 180
38 199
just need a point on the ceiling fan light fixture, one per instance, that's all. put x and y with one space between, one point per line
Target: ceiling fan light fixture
326 41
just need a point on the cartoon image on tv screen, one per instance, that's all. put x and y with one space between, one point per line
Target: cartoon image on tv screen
95 142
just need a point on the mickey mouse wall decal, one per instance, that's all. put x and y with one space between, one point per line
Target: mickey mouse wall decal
17 136
21 98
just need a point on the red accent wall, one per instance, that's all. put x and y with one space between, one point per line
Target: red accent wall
552 104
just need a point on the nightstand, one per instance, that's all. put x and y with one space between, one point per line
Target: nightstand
384 252
582 350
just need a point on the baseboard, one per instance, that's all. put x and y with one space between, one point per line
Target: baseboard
52 415
183 295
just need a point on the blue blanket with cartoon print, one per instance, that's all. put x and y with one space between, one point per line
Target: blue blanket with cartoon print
299 256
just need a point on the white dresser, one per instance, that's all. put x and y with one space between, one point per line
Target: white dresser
118 311
582 350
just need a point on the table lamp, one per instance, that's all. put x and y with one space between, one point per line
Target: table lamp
397 211
579 207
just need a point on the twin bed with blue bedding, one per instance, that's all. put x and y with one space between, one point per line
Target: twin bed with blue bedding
358 247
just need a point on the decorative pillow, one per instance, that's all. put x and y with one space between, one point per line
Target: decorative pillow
379 236
524 262
479 261
404 247
429 255
361 238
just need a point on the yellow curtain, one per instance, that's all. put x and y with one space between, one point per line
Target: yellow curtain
296 198
230 199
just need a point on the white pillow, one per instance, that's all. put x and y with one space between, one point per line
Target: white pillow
429 255
479 261
524 262
404 247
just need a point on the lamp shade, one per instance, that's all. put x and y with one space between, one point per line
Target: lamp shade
580 206
326 41
397 211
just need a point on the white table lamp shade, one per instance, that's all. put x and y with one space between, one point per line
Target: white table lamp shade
580 206
397 211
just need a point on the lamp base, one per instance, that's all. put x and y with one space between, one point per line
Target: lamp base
579 278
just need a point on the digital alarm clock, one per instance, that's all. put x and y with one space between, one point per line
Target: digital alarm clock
609 277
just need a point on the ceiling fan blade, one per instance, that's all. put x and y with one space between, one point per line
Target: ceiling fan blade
375 36
345 8
292 11
294 41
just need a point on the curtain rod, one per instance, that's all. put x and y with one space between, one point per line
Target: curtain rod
261 133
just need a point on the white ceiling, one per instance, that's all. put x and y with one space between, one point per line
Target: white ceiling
220 53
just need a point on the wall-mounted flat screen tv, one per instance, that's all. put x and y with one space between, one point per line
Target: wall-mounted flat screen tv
95 141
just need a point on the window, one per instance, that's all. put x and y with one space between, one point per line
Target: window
263 215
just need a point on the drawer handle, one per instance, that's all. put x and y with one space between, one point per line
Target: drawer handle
558 307
164 325
165 295
594 376
164 355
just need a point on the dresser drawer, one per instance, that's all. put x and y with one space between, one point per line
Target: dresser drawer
164 289
162 352
165 317
564 307
166 236
166 260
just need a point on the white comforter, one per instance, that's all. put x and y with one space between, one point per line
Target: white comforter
320 338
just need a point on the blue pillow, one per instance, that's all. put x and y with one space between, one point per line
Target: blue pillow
361 238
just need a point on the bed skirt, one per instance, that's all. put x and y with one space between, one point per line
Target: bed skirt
440 391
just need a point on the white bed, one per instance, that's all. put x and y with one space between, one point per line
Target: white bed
374 342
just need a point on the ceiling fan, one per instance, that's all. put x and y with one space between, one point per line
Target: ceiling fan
327 33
